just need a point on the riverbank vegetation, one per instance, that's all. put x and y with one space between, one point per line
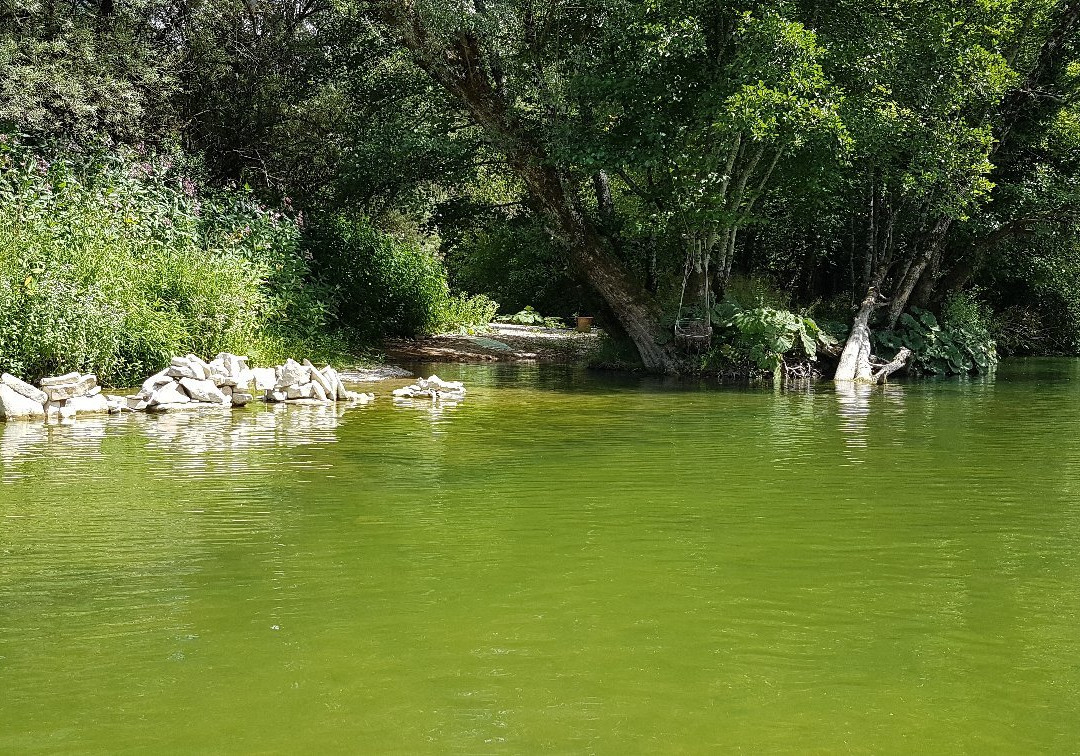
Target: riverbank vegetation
770 177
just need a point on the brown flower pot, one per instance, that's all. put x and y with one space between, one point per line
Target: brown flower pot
584 324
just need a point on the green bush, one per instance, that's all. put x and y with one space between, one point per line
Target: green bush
461 311
960 344
530 316
756 291
762 338
518 264
382 284
1037 297
112 263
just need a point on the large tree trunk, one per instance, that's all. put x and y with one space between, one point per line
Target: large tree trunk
457 64
855 359
915 271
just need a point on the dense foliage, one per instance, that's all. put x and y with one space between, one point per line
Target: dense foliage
381 285
114 263
764 337
577 157
946 348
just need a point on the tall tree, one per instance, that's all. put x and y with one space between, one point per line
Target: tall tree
460 50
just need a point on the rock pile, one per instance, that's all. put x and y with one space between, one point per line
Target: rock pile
306 384
61 396
190 383
434 388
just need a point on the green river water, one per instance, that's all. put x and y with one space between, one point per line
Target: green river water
564 563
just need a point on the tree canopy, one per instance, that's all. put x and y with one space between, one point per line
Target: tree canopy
906 151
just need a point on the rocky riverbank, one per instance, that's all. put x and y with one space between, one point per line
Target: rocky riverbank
188 383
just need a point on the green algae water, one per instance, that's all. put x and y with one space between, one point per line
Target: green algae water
564 562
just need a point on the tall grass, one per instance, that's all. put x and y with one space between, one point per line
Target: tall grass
112 263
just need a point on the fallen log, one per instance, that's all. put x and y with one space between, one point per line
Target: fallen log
881 375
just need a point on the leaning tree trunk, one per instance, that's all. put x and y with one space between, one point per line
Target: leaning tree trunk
457 64
915 271
631 305
881 375
855 359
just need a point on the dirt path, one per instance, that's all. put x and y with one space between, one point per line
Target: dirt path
503 343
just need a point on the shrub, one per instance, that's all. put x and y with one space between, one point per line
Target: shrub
111 263
958 345
518 264
461 311
755 291
529 316
762 338
379 284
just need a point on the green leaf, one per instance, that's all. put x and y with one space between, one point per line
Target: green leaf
929 320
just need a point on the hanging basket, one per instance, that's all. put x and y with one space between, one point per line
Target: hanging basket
693 333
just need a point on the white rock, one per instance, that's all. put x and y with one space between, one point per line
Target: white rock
331 379
202 391
94 391
273 395
433 388
87 405
86 384
169 406
22 387
340 391
200 368
56 380
176 371
293 373
136 403
157 379
179 362
318 392
244 379
436 382
319 378
233 364
79 387
170 393
14 406
265 378
303 391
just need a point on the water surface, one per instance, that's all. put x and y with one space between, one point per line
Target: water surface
565 562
